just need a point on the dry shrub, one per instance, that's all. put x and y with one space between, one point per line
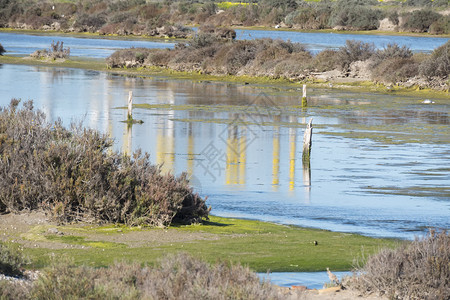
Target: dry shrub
175 277
326 60
71 175
354 51
210 53
132 57
13 289
159 58
184 277
393 64
394 70
219 32
438 64
55 51
419 270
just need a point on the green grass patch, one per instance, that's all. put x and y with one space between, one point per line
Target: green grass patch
79 240
262 246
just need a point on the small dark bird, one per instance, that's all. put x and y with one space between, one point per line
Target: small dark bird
315 243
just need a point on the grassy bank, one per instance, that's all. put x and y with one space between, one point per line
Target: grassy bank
260 245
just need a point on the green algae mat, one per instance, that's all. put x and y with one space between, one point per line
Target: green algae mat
260 245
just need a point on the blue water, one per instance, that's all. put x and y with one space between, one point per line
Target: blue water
318 41
369 186
25 44
312 280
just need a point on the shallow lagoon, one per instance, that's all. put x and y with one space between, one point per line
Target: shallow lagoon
379 163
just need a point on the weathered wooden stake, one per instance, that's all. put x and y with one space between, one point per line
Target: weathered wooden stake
307 143
304 99
130 106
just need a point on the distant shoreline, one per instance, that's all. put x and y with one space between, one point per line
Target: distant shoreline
256 28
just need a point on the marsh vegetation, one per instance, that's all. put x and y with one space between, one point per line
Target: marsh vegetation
208 53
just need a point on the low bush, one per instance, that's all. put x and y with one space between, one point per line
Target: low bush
326 60
420 20
55 51
218 32
354 51
132 57
211 54
438 64
440 26
71 175
355 15
394 70
393 64
89 23
11 260
2 50
419 270
177 276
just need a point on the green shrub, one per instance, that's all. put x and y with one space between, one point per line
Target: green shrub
11 260
354 15
72 176
419 270
438 64
310 16
420 20
441 26
2 50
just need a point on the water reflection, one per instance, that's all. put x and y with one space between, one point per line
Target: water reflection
242 146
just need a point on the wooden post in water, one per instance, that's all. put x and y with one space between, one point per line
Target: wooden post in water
304 99
307 142
130 106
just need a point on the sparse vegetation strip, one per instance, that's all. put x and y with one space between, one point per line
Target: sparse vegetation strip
209 53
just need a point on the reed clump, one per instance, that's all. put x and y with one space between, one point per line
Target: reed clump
72 175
